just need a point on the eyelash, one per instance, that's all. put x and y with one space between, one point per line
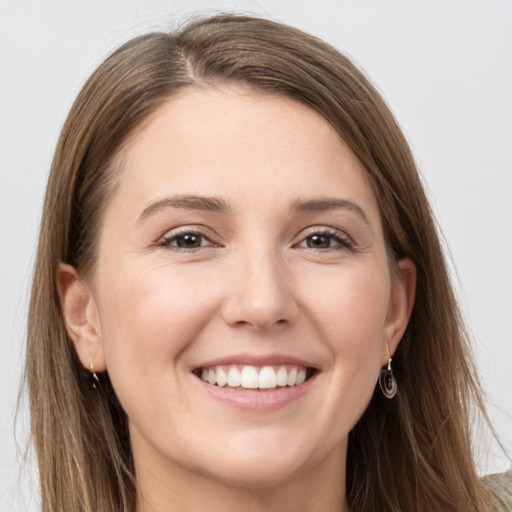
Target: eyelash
167 241
343 241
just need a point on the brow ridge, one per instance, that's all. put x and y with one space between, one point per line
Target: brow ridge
328 203
218 205
187 201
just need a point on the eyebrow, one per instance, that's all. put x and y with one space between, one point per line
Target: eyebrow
323 204
218 205
191 202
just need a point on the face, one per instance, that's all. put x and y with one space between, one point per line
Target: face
242 301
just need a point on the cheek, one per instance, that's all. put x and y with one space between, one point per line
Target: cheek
148 318
350 311
349 306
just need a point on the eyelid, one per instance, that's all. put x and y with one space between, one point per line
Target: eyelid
173 234
346 241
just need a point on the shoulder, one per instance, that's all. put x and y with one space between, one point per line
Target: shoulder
501 487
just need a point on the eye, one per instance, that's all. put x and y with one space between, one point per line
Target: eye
186 240
326 239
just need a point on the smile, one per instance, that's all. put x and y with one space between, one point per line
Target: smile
255 377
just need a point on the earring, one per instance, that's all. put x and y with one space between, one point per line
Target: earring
387 381
93 374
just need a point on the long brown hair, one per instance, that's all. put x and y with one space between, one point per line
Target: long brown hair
410 453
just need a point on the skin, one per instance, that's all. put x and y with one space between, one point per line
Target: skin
152 311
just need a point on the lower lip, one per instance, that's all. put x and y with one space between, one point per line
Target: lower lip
258 400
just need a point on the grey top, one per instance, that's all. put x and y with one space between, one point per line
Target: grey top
501 485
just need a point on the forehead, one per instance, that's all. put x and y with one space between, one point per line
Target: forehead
235 142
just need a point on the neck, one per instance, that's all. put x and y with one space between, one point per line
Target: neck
177 489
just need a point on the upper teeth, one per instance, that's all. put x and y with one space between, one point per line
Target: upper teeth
253 377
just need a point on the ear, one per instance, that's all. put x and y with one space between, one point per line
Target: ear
81 318
403 290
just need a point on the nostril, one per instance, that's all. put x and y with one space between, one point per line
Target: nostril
259 324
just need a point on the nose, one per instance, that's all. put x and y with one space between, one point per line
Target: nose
260 292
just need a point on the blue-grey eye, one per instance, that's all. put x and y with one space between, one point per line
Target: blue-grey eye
319 241
325 240
189 241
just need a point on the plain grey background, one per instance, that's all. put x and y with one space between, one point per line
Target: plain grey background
444 66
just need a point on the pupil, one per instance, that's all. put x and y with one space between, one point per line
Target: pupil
318 241
189 240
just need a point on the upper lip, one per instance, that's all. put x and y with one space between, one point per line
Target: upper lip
257 360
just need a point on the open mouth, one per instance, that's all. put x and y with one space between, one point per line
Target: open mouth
255 377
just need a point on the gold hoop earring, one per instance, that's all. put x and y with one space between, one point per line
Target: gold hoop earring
387 381
95 377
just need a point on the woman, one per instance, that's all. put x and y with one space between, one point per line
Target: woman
235 248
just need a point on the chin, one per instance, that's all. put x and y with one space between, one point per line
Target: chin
259 473
258 462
